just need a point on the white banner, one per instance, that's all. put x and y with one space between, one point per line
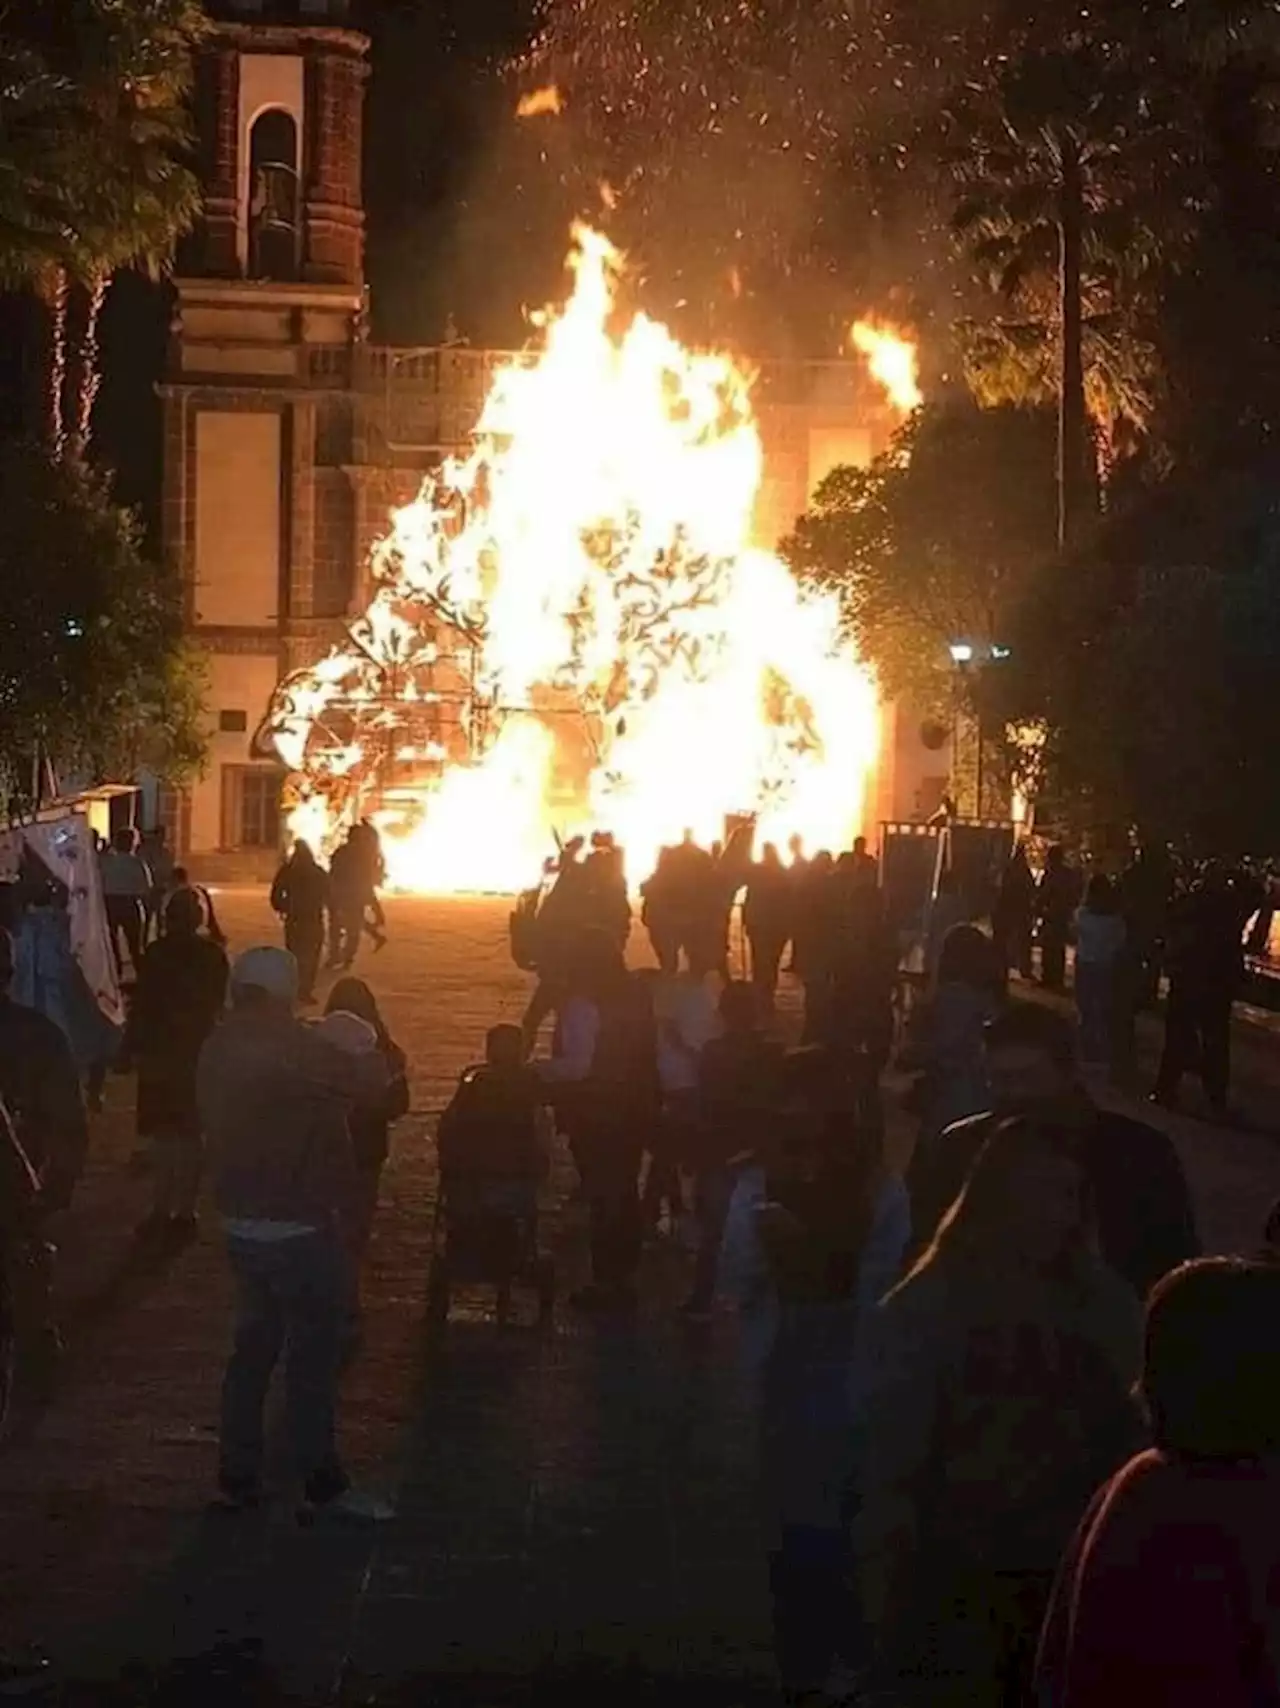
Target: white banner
65 845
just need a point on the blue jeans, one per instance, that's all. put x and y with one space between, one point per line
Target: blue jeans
293 1297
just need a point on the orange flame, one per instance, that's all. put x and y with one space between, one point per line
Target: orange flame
572 629
894 362
541 103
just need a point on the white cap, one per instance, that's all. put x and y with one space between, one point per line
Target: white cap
267 968
348 1032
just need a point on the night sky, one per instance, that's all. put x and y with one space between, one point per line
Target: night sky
443 230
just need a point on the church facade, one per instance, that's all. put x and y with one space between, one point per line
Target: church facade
288 436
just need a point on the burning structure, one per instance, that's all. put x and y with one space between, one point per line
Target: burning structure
570 629
484 599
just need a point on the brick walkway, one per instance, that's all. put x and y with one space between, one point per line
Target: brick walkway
573 1507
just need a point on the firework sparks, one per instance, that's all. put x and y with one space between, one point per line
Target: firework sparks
572 629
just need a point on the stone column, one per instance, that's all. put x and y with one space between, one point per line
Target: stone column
218 102
302 509
334 248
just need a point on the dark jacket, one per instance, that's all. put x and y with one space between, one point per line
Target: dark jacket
371 1128
181 990
490 1131
275 1100
739 1080
300 892
41 1091
1146 1225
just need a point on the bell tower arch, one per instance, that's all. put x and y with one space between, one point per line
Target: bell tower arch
258 507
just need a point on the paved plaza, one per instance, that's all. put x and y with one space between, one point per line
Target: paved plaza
576 1507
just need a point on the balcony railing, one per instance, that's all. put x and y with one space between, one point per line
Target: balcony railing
273 222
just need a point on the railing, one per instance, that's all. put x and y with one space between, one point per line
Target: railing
447 367
273 222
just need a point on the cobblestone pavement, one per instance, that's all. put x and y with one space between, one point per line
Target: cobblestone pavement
575 1507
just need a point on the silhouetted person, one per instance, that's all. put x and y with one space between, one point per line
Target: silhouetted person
1013 922
859 1027
692 895
371 867
813 952
768 919
562 918
179 997
866 868
604 1073
660 913
1205 959
212 929
608 903
300 895
1056 901
348 896
1144 890
126 890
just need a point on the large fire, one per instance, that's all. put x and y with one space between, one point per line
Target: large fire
572 630
893 360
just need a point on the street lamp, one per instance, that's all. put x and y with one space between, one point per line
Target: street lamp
962 656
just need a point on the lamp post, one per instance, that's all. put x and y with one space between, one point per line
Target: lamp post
961 658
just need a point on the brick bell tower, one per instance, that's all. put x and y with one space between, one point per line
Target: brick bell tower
259 511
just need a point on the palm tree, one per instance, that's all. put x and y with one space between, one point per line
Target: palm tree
1080 184
93 169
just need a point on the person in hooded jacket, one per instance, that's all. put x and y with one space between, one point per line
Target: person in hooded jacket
300 895
180 994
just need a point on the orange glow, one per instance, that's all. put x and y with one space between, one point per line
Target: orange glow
585 587
894 362
541 103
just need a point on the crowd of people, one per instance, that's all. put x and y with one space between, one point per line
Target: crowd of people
1156 921
962 1498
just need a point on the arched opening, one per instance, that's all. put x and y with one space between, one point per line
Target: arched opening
273 196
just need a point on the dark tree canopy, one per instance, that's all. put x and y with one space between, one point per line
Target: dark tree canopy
94 668
936 541
1153 659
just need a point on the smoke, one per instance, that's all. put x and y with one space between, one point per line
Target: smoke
758 162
